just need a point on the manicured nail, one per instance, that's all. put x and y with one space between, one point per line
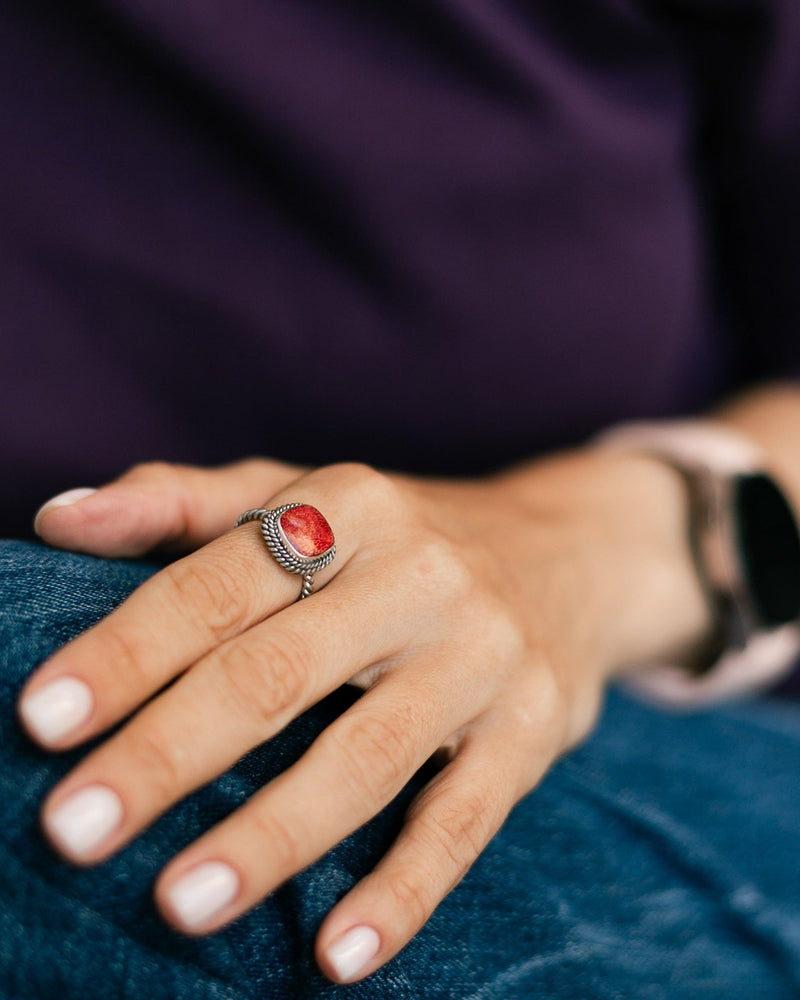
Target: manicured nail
352 952
84 821
62 500
56 709
203 892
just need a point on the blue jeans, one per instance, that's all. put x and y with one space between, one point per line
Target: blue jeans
658 860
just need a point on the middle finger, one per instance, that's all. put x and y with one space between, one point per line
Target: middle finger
251 687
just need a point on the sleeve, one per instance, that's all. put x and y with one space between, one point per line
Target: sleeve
745 66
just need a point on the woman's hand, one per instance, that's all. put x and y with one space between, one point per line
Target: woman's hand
481 618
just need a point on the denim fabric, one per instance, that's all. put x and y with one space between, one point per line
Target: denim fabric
659 860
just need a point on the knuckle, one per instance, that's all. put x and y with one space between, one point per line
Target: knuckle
214 598
373 487
160 762
282 842
361 475
460 827
267 680
409 889
151 472
545 709
132 662
438 568
505 632
377 754
551 698
572 707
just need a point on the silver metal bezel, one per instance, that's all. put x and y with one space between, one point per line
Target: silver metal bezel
281 548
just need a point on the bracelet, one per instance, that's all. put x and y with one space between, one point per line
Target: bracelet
746 547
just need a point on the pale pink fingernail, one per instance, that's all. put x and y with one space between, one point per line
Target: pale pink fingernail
62 500
351 953
83 822
57 708
203 892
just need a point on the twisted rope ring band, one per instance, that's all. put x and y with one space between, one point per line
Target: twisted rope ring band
299 538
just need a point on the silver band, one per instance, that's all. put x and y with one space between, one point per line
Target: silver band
284 553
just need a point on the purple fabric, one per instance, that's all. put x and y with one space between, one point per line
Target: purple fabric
436 236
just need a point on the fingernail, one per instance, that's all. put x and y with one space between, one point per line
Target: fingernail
203 892
57 709
353 951
63 500
84 821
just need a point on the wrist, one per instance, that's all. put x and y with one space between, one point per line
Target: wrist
657 608
746 552
639 597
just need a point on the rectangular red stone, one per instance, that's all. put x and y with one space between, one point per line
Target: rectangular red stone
306 530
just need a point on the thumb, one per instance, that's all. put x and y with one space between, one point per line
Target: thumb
159 505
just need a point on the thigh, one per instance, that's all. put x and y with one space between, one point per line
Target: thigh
655 861
658 860
95 933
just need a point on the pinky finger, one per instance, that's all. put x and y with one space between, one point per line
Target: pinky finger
447 827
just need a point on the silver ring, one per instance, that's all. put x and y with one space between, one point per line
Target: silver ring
299 538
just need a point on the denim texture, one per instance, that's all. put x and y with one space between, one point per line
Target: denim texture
659 860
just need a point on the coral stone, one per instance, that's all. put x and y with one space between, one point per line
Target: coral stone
306 530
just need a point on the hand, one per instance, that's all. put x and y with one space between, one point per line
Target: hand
481 618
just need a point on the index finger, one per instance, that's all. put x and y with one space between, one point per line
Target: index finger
169 623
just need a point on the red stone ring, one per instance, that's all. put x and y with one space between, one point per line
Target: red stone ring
299 538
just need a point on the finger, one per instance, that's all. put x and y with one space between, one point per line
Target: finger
169 623
350 772
172 620
156 505
251 687
446 829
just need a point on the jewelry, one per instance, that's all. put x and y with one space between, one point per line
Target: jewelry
299 538
746 546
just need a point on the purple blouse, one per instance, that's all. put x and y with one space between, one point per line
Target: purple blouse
437 236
